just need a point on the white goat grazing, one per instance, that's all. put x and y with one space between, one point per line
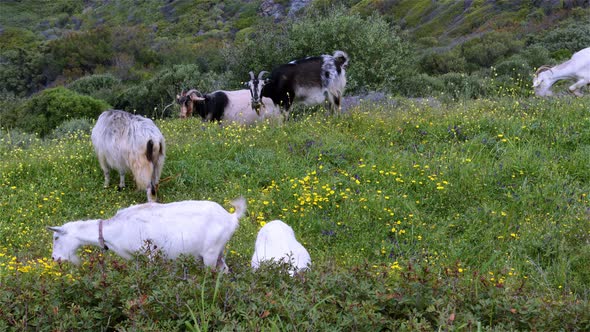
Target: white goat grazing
577 68
276 242
197 228
124 141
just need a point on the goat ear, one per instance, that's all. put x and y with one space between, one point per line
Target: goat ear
56 229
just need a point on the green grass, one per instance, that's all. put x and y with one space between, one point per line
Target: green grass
472 215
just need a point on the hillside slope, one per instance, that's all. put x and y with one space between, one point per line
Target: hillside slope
421 18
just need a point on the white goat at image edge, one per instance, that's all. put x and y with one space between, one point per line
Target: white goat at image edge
276 242
197 228
577 68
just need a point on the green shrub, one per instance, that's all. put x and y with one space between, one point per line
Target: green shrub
9 101
21 71
464 86
47 110
79 53
72 129
13 38
536 56
515 67
435 63
572 37
485 51
90 85
378 54
420 85
14 139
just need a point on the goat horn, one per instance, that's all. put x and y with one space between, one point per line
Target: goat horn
542 69
251 75
191 91
197 94
262 74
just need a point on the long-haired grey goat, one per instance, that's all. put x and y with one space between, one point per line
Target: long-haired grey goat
124 141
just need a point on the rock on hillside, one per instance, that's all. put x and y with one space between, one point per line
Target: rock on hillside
279 11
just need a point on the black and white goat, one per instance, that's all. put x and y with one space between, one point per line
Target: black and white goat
229 106
308 81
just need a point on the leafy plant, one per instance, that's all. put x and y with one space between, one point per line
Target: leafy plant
378 54
92 84
485 51
47 110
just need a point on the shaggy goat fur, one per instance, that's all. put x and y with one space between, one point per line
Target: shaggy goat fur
124 141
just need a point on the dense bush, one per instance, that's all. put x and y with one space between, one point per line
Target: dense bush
378 55
72 128
21 71
572 38
8 102
436 63
420 85
15 139
485 51
515 67
47 110
464 86
89 85
79 53
536 56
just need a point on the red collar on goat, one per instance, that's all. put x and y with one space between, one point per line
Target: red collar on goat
103 246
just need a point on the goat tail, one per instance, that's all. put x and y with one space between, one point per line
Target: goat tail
154 154
149 152
240 205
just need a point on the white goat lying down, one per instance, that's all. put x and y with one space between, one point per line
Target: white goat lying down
124 141
197 228
276 242
577 68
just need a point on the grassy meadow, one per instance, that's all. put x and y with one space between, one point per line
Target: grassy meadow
467 215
